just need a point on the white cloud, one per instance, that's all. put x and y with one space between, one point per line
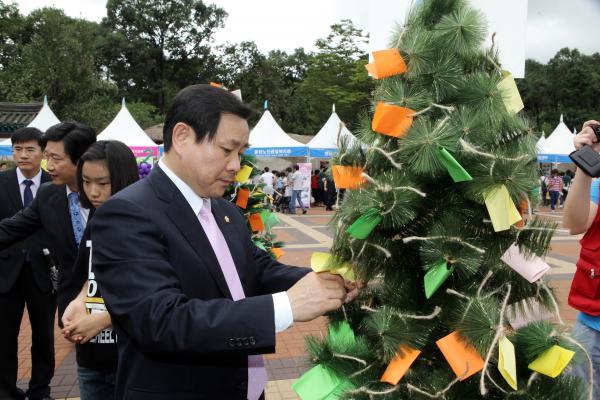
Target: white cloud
554 24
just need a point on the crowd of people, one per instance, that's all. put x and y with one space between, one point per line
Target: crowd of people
554 188
159 284
284 188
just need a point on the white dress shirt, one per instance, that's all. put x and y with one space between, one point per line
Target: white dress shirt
37 181
281 303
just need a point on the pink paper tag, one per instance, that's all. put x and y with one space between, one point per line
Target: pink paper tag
531 269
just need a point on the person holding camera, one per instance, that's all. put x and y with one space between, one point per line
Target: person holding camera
581 216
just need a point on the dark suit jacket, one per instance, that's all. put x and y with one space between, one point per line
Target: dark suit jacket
11 259
49 211
180 335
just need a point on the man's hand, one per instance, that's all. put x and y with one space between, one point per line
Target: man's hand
315 294
587 136
353 288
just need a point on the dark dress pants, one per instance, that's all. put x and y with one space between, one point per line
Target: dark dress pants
41 307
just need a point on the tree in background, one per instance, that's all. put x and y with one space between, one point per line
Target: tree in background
435 232
335 75
164 46
568 84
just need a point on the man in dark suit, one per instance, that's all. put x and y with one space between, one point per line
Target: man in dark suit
193 301
24 276
56 208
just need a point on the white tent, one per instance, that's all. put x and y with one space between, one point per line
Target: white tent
267 139
558 145
45 118
5 147
124 129
539 145
325 142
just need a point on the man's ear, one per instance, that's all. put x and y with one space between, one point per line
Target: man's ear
182 135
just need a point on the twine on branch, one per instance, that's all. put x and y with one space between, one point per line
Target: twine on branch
447 238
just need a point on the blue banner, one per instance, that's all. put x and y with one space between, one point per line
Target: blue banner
277 151
554 158
323 153
5 151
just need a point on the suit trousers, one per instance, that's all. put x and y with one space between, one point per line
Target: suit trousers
41 308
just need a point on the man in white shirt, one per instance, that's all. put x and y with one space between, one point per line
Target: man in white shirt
297 188
268 178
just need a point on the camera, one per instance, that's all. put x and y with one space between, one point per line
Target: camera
586 158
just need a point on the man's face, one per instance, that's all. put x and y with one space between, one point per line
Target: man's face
212 164
28 157
59 165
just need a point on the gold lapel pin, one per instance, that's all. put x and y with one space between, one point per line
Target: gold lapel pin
227 219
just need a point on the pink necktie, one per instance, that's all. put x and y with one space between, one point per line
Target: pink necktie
257 374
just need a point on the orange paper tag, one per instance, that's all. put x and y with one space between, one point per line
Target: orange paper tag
278 252
462 357
256 222
242 198
347 177
392 120
399 365
214 84
523 207
386 63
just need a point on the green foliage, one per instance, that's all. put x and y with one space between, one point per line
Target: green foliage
569 85
165 46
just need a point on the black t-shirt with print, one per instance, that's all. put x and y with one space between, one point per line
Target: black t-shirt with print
100 353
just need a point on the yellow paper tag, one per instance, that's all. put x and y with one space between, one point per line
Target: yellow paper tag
552 361
243 174
501 208
510 93
321 262
507 364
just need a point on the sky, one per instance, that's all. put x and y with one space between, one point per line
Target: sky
283 24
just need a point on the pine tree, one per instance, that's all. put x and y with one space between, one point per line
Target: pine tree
441 141
251 201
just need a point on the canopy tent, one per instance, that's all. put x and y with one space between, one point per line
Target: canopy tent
539 145
5 147
557 147
325 142
124 129
267 139
45 118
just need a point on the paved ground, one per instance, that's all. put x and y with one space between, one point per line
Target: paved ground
303 234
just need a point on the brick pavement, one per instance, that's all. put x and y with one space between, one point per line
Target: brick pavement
303 235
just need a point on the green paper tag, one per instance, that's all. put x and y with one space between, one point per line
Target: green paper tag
259 244
316 384
341 335
435 277
269 219
363 226
456 171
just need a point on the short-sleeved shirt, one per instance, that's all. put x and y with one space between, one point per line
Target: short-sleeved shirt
298 181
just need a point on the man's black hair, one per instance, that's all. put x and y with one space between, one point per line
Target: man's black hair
76 138
27 134
201 106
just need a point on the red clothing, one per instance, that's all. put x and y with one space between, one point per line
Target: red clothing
554 183
313 182
585 288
